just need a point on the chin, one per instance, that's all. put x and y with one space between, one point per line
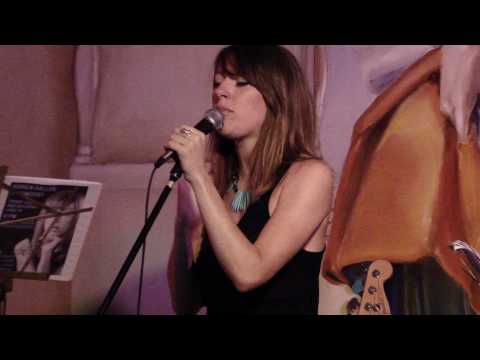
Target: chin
226 133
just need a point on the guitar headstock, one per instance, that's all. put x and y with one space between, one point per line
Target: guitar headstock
374 301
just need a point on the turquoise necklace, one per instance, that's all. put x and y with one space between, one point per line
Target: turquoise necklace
241 200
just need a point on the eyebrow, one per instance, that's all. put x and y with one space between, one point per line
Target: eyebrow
230 75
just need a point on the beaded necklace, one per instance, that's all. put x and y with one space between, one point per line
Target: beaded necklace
242 199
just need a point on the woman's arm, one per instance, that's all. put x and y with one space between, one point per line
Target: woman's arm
183 288
303 204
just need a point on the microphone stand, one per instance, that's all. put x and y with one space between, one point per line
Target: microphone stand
175 174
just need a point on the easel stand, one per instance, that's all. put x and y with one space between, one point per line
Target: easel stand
6 285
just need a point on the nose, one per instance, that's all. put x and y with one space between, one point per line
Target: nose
222 90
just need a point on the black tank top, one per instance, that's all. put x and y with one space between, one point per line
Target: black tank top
292 290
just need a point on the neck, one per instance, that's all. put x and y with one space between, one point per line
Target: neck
244 149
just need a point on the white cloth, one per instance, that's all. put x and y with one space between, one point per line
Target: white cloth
460 85
382 64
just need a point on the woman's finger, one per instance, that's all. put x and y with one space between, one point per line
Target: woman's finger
180 139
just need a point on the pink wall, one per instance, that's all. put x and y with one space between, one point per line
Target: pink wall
346 98
38 118
38 133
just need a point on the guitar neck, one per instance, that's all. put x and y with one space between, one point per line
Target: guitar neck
374 300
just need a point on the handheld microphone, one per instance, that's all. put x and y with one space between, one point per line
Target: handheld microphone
213 120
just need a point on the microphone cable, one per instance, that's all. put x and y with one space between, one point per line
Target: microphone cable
142 264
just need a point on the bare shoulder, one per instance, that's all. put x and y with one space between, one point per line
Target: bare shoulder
310 172
306 184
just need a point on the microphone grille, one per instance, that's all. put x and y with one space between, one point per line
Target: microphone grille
215 116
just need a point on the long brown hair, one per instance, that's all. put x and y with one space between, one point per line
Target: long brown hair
289 130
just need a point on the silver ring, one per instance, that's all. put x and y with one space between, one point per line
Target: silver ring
186 132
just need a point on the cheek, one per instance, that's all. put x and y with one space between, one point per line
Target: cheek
256 109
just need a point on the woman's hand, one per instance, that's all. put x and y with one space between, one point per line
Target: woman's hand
190 145
23 251
460 85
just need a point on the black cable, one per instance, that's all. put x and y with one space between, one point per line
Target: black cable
3 300
142 265
5 305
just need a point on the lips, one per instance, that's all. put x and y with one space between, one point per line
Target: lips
224 109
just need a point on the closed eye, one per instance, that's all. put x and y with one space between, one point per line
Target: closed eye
241 83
